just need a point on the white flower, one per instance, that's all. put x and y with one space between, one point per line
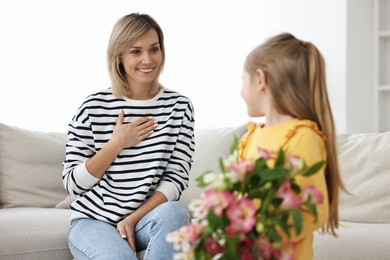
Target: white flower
197 207
179 239
219 183
214 180
231 176
231 159
209 177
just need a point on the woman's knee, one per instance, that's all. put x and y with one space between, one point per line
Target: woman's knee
174 213
175 208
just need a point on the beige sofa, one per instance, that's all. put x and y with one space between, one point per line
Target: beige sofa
34 218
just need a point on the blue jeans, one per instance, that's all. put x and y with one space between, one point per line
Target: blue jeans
95 239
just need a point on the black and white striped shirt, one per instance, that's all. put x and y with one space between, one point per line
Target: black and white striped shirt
161 162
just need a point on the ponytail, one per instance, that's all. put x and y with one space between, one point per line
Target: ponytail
324 119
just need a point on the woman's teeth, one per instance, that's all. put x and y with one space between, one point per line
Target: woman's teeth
145 70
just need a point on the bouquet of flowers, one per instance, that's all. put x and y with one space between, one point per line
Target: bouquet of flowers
245 208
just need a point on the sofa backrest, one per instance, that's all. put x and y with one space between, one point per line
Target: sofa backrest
365 169
30 167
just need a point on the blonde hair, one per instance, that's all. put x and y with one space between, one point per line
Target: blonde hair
295 74
124 34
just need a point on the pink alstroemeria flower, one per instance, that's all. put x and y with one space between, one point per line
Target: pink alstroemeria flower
290 199
316 196
241 168
296 162
194 230
265 154
241 216
286 251
218 200
265 249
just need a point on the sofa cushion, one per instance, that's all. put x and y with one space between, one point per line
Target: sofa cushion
65 204
34 233
30 167
365 169
354 241
210 145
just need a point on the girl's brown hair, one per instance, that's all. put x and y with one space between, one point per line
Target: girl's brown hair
124 34
295 74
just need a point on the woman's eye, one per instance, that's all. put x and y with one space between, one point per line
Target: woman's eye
135 51
154 49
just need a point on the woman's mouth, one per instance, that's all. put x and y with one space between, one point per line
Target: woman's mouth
146 70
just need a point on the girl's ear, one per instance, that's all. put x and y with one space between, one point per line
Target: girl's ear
261 79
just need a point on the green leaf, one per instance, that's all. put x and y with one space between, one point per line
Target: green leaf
234 145
295 187
202 254
259 166
255 193
273 235
214 220
273 174
222 165
280 159
297 220
235 186
285 218
313 209
232 248
267 200
283 225
315 168
276 202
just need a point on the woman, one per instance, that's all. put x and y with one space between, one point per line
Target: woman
129 152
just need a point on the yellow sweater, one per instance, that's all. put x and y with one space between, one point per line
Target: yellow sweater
304 139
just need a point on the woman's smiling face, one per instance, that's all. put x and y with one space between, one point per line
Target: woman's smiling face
142 60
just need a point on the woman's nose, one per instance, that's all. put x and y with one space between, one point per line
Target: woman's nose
146 58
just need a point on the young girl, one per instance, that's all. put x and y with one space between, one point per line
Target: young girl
129 153
284 80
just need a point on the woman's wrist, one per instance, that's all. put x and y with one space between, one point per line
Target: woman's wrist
131 219
113 146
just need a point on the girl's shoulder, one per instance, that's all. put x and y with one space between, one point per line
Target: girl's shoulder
304 127
304 131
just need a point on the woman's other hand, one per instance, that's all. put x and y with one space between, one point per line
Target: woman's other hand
126 231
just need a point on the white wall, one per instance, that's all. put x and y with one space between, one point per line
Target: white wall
53 52
360 78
